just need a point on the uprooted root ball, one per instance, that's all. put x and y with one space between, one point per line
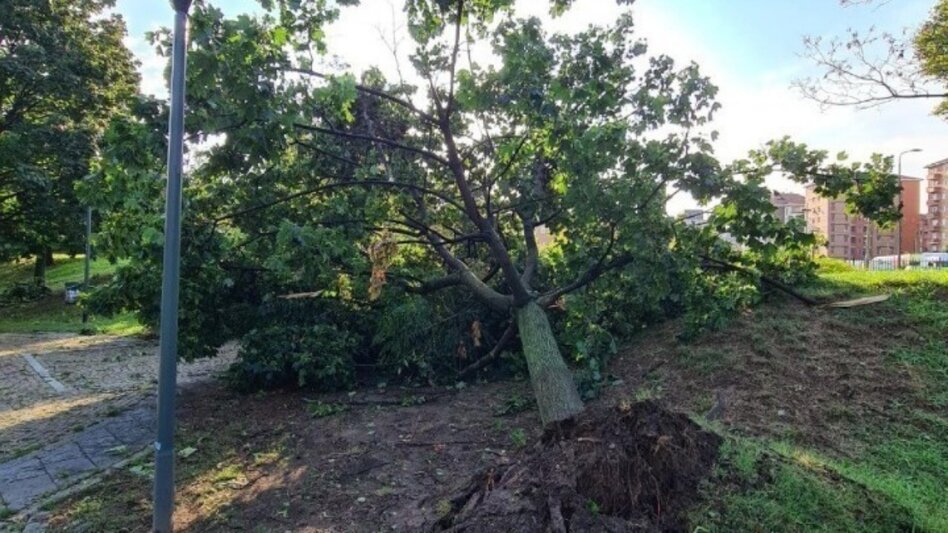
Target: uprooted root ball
634 468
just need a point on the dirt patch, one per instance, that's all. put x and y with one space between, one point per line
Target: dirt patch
264 462
416 459
783 371
634 468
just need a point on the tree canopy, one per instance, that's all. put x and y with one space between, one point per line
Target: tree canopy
338 220
64 71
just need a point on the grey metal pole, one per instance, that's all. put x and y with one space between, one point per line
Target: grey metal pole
167 369
85 275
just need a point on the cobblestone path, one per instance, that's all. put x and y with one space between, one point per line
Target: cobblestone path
72 405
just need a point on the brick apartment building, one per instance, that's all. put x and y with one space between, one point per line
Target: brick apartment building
788 205
853 237
933 233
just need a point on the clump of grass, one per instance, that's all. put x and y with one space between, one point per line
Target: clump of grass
512 405
444 507
704 360
412 400
229 472
321 409
518 438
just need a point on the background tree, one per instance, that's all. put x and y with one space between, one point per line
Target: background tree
871 68
63 72
335 220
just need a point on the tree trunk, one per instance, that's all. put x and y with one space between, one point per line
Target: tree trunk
44 258
552 381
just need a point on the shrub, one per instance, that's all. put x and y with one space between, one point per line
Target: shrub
830 265
316 357
23 292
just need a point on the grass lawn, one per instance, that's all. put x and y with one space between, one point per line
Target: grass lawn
834 420
893 473
51 314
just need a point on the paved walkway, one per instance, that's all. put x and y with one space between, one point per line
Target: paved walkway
25 480
71 406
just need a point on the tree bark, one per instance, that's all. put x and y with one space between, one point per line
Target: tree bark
39 269
552 382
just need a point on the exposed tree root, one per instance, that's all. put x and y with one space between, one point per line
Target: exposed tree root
635 468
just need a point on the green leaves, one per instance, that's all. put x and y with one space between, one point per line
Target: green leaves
300 175
930 47
868 188
64 72
338 97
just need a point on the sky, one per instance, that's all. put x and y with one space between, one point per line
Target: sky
751 49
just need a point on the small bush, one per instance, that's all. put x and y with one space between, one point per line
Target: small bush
316 357
23 292
830 265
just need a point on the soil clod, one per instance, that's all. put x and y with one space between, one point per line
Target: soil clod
633 468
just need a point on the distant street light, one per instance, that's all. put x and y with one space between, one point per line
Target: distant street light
170 281
898 237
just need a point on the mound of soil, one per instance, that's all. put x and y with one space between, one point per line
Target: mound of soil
633 468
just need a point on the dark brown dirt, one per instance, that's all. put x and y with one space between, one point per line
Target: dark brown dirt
633 468
785 371
392 462
264 463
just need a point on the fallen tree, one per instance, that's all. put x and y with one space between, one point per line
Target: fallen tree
366 195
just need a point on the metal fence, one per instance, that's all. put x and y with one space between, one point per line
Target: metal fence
908 262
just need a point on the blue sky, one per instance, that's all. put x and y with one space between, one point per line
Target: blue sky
754 35
750 48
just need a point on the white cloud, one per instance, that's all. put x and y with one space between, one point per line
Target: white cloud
151 66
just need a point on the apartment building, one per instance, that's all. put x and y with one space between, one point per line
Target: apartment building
855 238
933 232
911 214
788 205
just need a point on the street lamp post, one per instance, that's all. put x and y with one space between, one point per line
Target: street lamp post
170 278
898 237
88 259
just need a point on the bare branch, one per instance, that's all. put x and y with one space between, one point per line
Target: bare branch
483 291
471 237
505 338
379 140
865 70
777 284
371 91
451 280
533 251
454 55
593 273
326 153
338 185
500 252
